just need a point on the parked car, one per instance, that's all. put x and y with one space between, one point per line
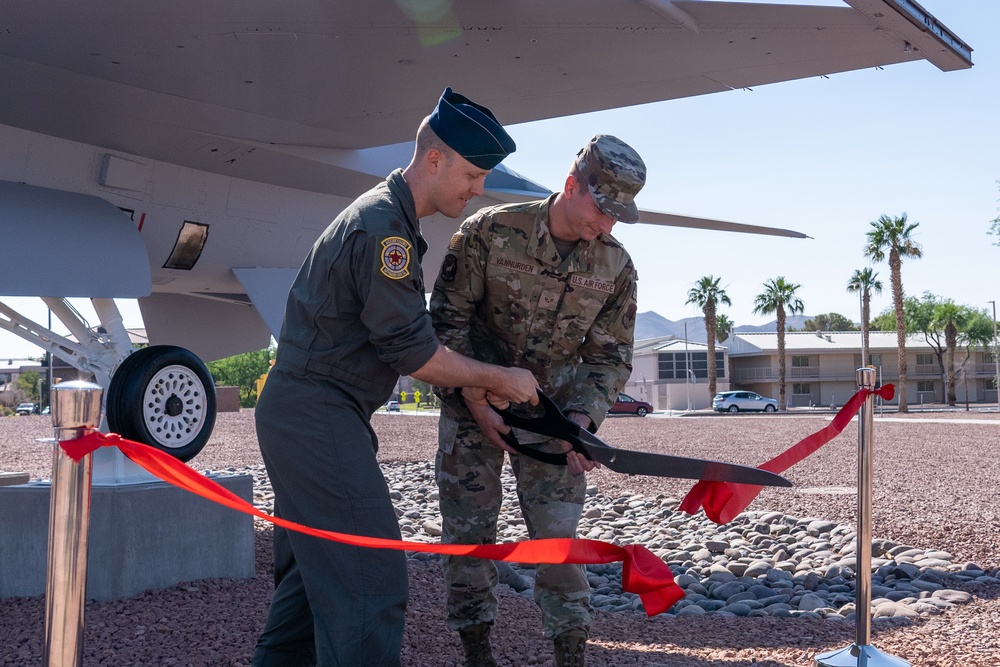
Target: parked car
392 406
27 409
743 401
626 405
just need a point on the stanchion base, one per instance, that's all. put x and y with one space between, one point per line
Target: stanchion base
859 656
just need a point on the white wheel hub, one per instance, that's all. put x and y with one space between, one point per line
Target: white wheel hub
173 406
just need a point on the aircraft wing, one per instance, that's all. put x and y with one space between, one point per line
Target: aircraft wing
677 220
211 85
256 122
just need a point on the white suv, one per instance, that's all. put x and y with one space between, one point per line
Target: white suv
743 401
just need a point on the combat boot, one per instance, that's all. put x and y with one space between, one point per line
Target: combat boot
569 648
476 644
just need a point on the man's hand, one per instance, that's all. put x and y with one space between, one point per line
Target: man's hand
575 461
490 423
517 385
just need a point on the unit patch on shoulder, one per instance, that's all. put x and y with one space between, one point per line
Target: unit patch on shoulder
395 257
449 268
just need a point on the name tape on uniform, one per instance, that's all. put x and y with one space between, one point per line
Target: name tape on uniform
590 283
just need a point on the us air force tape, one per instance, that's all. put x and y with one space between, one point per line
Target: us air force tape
395 257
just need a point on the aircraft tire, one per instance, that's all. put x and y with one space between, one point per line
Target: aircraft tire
163 396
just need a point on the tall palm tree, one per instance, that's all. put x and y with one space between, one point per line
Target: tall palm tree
777 297
866 282
892 235
706 294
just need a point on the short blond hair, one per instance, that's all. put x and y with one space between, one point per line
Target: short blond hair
427 139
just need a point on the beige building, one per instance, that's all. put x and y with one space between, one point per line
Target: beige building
672 374
819 369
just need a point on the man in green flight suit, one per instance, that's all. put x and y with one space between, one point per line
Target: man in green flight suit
545 287
355 321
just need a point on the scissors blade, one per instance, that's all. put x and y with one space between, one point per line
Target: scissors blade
633 462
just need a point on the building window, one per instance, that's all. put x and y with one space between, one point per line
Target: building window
875 360
801 389
699 364
925 386
665 363
674 365
800 361
925 360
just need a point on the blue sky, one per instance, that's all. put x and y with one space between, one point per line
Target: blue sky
821 156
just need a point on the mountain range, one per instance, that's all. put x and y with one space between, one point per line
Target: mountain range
654 325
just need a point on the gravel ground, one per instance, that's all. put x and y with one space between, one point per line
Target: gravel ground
934 479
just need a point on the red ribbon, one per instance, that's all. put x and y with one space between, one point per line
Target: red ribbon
723 501
643 573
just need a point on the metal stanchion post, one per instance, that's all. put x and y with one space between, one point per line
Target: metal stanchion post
76 410
861 653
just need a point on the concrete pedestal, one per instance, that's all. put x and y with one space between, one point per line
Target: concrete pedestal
142 536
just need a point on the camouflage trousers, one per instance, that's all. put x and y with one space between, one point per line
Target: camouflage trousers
468 471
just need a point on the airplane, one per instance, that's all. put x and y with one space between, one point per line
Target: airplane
187 154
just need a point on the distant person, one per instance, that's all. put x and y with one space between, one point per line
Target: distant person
355 321
545 287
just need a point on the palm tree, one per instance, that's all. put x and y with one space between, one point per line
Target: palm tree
723 328
777 297
865 281
893 235
705 294
951 318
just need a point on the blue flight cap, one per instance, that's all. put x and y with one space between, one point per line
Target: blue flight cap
471 130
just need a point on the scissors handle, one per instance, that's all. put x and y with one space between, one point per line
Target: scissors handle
552 422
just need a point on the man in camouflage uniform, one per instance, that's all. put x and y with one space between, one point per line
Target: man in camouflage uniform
541 286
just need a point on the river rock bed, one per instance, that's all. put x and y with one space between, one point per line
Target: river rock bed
760 564
934 489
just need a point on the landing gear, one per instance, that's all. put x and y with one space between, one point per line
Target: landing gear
163 396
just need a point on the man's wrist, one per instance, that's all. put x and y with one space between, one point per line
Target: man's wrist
581 418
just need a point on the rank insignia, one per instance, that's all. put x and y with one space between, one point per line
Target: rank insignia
395 257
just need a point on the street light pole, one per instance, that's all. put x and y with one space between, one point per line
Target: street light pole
996 357
687 366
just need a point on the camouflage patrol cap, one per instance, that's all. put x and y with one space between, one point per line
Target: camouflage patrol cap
471 130
614 173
